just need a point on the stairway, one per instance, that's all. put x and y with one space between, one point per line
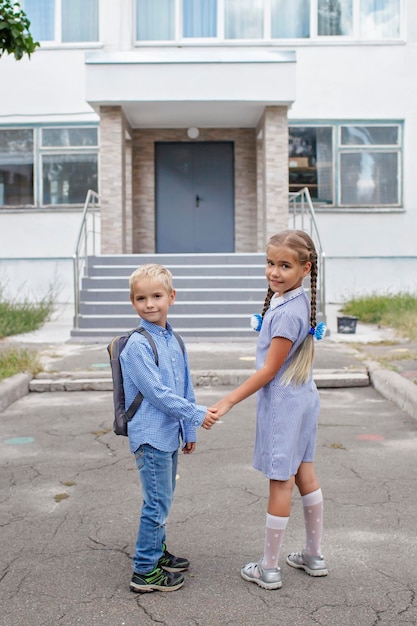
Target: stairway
216 294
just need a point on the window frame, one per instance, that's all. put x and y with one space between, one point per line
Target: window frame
314 37
338 149
40 151
378 148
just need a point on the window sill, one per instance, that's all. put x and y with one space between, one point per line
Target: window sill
281 43
345 210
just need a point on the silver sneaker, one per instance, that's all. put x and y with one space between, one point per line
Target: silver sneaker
265 578
313 565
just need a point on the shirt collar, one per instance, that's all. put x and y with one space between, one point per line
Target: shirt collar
155 329
289 295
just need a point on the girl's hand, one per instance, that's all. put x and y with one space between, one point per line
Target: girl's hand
189 447
222 407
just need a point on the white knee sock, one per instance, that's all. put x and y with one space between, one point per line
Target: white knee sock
274 535
313 518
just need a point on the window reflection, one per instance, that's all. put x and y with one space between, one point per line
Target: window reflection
67 178
199 18
290 19
16 167
380 19
243 19
335 17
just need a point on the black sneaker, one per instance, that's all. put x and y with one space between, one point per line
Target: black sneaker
171 563
157 580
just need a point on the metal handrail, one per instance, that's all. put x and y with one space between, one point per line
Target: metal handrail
85 245
304 218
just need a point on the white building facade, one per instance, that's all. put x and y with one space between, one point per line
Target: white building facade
194 118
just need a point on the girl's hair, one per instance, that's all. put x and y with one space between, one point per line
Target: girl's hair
301 243
153 272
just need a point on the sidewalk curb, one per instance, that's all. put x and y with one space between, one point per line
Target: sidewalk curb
13 388
389 384
394 387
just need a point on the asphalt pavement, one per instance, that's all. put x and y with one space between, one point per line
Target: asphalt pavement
70 497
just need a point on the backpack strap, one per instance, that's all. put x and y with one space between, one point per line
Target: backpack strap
139 397
180 341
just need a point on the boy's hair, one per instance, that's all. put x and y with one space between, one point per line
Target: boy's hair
301 243
153 272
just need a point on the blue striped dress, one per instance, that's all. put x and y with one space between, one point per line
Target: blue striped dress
286 416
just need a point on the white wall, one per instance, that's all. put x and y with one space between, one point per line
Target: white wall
48 87
36 251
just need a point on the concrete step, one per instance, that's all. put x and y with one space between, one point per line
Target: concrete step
180 308
178 271
101 381
172 260
189 321
254 294
241 282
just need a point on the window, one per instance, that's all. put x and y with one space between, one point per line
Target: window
347 165
380 19
266 20
369 165
243 19
199 18
68 169
290 19
311 161
66 21
16 167
47 166
335 17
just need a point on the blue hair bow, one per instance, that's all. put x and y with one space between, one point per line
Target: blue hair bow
318 332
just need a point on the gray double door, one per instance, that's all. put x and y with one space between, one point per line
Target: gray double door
194 197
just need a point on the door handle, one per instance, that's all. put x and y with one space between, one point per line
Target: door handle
197 200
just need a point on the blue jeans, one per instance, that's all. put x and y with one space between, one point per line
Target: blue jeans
157 471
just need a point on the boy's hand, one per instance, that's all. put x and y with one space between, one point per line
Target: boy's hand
210 419
189 447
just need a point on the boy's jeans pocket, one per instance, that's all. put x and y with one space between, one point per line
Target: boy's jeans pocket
140 457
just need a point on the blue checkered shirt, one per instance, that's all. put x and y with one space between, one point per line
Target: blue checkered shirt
168 412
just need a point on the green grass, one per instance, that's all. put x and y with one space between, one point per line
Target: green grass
398 311
16 360
23 317
17 318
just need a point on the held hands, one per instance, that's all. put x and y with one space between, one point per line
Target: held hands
217 410
210 418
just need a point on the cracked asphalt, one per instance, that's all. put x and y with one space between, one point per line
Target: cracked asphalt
70 501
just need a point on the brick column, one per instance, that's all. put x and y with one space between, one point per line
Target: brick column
274 206
112 180
260 198
128 197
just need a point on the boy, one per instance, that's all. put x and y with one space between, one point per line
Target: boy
167 414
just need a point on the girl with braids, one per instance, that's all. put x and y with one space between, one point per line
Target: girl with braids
287 405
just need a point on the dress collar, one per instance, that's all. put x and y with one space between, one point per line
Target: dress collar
286 297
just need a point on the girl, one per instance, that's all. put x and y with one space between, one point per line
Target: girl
287 405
